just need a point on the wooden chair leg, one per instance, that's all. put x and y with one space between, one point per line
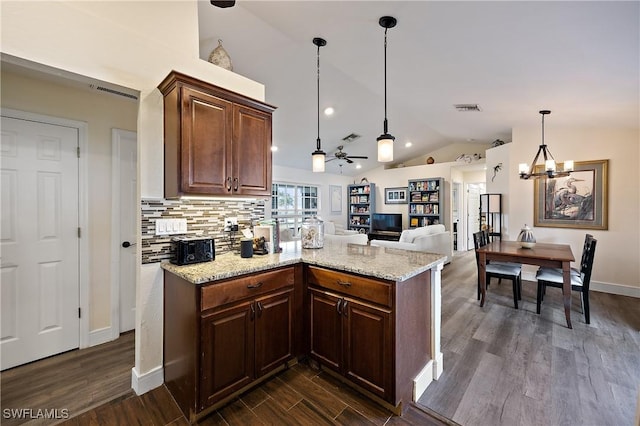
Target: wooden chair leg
585 296
539 298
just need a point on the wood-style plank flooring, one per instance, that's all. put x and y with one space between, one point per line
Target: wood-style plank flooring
504 366
501 366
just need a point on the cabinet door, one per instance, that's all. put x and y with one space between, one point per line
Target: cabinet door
368 346
227 352
251 151
207 126
273 328
325 329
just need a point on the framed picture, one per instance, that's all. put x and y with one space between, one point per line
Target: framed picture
395 195
579 200
335 192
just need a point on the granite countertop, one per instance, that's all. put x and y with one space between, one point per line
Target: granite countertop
379 262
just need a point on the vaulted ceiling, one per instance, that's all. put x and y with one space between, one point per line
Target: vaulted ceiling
579 59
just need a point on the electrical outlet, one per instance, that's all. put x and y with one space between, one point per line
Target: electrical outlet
231 223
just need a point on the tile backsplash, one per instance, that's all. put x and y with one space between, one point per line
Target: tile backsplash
204 218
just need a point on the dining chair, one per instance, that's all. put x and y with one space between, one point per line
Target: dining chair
580 279
509 271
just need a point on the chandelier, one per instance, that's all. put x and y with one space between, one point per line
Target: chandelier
550 170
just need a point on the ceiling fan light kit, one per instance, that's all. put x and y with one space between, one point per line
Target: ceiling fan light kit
528 172
385 140
318 156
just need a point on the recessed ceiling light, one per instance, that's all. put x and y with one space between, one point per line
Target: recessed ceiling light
358 166
408 145
274 148
328 111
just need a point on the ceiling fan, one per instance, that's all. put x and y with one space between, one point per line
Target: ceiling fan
223 3
341 155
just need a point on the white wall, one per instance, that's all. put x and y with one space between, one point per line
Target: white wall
135 45
616 266
449 153
101 112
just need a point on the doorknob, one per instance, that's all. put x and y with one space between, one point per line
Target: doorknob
127 244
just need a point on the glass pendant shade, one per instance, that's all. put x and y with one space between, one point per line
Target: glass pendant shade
385 148
317 159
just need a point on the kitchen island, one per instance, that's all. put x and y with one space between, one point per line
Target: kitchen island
368 315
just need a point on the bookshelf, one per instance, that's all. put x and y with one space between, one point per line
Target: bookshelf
426 202
362 205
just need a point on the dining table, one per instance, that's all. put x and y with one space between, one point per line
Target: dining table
541 254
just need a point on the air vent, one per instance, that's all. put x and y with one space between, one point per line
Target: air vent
467 107
113 92
350 138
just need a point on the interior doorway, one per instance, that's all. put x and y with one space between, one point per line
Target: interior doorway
473 210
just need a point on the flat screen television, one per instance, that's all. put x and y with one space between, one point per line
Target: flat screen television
387 222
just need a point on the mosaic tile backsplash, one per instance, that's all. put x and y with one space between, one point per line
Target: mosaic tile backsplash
205 218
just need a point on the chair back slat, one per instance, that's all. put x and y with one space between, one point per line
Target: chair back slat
587 266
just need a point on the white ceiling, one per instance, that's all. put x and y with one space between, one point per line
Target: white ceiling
579 59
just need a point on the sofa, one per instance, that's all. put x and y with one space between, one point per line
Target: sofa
431 239
336 233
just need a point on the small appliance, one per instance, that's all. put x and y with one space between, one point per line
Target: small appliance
188 250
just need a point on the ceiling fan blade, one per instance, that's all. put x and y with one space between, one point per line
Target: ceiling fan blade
223 3
348 160
358 157
330 159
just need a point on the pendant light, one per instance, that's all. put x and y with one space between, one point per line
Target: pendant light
385 140
549 171
318 156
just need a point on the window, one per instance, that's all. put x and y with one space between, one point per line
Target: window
291 204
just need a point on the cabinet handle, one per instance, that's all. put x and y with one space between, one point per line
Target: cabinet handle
344 283
260 308
229 183
338 306
253 311
344 307
257 285
235 184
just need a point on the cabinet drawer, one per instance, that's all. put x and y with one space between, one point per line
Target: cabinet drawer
240 288
364 288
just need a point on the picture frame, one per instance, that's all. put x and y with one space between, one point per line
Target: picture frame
397 195
580 200
335 194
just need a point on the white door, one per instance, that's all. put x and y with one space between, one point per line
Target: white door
473 211
125 145
39 241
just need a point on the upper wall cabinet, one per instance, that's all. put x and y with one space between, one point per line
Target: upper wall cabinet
216 142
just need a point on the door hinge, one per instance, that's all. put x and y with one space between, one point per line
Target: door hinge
79 232
79 312
78 151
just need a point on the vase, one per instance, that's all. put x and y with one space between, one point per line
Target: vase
312 233
526 238
220 57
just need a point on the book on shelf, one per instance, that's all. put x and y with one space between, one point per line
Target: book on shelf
414 221
433 197
416 196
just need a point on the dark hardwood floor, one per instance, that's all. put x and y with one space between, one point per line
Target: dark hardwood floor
501 367
504 366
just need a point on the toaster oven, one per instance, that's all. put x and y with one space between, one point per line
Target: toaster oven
188 250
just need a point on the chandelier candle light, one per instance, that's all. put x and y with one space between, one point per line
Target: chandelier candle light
318 155
385 140
550 171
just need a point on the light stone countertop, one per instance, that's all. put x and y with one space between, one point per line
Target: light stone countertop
378 262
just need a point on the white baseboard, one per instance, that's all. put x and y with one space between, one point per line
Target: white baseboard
619 289
100 336
423 380
147 381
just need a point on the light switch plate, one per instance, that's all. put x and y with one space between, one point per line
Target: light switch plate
171 226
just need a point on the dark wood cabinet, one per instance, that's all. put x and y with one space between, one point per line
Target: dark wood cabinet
216 142
350 328
242 329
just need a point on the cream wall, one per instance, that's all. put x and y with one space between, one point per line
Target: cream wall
449 153
101 112
135 45
616 267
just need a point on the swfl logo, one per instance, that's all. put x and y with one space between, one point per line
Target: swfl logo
35 413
